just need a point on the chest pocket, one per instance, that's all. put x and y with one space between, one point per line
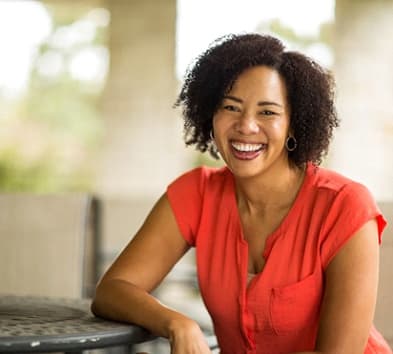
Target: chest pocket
296 306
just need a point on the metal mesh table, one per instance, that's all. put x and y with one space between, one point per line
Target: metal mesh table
44 325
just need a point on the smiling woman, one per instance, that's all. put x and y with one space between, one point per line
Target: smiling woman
276 235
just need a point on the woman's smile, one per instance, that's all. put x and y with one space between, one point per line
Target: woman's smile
247 151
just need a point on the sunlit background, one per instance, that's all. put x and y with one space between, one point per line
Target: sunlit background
87 88
55 65
88 61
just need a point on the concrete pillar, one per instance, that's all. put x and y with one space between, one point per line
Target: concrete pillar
363 147
142 149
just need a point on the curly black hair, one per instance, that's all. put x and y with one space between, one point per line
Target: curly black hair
310 90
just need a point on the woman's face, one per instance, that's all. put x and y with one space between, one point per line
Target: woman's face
252 123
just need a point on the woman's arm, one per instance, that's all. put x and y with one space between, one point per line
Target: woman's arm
350 295
123 292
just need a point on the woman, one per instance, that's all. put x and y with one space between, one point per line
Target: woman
287 252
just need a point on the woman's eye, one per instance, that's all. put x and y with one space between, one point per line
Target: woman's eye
231 108
267 112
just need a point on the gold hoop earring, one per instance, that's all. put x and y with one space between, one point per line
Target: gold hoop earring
291 143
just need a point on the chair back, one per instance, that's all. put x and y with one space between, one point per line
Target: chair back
48 244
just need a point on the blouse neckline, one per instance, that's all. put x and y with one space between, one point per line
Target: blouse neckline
310 167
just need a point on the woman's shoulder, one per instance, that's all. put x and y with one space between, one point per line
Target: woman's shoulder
202 174
337 191
330 180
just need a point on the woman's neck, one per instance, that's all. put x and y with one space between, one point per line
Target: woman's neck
274 190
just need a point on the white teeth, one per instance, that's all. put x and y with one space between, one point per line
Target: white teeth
246 147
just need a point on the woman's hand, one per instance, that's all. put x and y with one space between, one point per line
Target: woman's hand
186 337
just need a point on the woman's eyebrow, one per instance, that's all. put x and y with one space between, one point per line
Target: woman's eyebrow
233 98
261 103
269 103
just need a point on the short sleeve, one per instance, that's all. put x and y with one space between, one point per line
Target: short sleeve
185 197
352 207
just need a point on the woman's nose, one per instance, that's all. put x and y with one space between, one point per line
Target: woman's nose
247 124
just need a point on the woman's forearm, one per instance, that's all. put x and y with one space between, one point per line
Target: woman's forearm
122 301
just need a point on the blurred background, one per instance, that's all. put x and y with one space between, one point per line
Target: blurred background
87 86
87 90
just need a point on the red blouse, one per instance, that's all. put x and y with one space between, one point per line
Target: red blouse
278 311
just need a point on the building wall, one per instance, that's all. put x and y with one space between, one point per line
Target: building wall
142 149
363 147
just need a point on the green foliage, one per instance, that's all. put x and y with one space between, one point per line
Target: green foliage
64 107
49 136
275 26
204 159
40 176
